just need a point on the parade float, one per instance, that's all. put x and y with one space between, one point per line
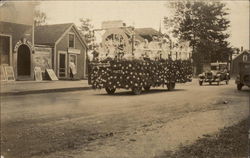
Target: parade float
124 59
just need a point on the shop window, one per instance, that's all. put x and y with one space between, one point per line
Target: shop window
71 41
5 49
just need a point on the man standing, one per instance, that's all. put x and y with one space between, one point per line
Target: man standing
72 69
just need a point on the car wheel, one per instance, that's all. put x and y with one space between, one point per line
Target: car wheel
200 83
239 86
171 86
210 83
110 90
227 81
137 90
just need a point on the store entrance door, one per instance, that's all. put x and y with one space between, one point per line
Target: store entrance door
23 61
62 65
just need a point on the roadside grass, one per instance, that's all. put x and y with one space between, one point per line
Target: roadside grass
230 142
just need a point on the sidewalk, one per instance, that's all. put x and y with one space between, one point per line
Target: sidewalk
35 87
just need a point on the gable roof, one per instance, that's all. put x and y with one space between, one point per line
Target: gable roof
241 54
147 31
51 34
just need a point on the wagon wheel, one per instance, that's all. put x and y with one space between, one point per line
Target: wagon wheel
171 86
110 90
239 86
147 88
137 90
200 83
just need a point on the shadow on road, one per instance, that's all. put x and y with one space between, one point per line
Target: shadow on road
245 90
152 91
221 84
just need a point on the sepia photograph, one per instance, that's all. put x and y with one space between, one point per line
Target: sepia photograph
125 79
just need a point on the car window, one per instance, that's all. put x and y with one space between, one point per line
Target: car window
213 67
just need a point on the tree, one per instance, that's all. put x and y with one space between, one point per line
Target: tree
86 29
40 18
204 25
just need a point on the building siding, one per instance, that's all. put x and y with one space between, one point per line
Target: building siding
236 61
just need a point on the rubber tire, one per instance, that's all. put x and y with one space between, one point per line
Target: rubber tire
110 90
146 88
239 86
171 86
210 83
137 90
200 83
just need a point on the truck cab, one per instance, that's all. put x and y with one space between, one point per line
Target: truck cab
243 78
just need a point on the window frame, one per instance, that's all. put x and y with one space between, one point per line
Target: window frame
10 47
74 42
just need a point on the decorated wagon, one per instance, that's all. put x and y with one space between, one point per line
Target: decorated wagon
138 74
135 59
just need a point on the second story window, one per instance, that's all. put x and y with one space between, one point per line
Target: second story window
71 40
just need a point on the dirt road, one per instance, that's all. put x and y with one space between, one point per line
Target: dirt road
92 124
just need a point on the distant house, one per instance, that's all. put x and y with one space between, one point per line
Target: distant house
65 43
244 56
146 33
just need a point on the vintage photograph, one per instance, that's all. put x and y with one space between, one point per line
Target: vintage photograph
125 79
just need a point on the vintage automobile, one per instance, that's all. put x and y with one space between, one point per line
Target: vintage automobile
243 78
218 73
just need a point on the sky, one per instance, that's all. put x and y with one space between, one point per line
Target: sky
140 14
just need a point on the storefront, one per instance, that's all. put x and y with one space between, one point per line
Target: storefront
16 50
67 47
16 40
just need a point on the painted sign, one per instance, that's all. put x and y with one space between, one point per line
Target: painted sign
74 51
112 24
42 58
51 74
3 76
9 73
23 41
38 74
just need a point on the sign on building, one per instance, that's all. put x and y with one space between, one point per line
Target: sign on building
3 76
43 58
9 73
51 74
38 74
112 24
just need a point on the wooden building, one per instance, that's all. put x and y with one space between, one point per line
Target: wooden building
16 39
66 45
244 56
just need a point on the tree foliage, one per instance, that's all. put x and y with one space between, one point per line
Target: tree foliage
204 25
40 18
86 29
